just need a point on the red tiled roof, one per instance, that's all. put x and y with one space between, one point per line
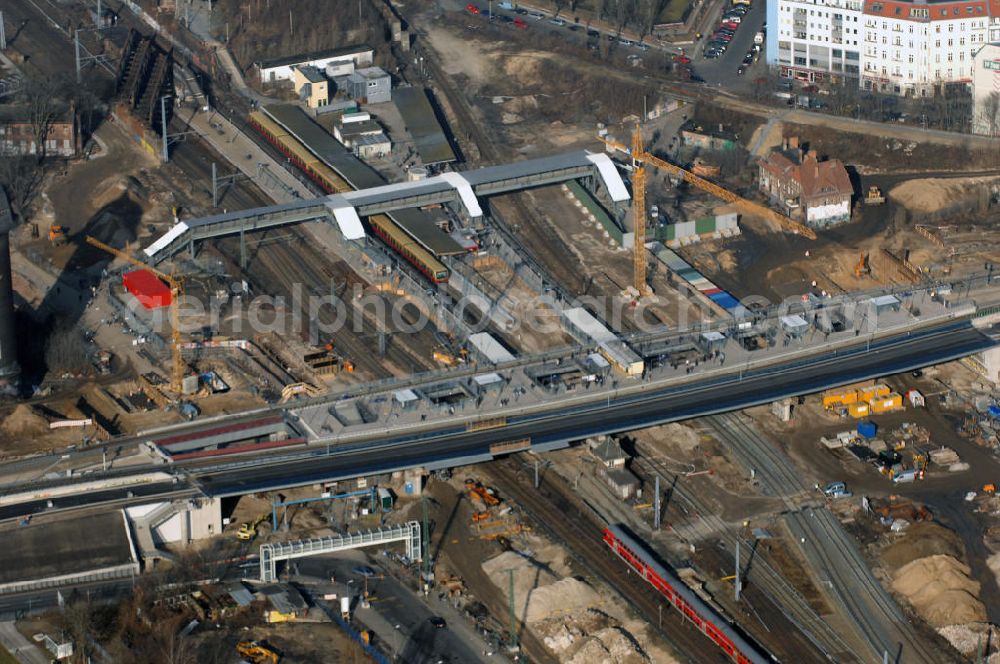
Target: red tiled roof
941 11
816 178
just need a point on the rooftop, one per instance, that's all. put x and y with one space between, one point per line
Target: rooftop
931 10
423 126
345 51
369 73
816 178
716 131
312 74
70 546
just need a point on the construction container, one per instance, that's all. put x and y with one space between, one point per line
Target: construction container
867 429
873 392
147 288
887 403
385 499
839 398
859 409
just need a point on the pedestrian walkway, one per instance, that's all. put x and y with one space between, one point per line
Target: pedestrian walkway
17 645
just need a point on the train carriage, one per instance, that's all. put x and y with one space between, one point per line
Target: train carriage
731 642
324 176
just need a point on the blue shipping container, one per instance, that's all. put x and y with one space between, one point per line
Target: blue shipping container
994 411
867 429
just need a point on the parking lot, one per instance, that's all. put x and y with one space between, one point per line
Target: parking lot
722 71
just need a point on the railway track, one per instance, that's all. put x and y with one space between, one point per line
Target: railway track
875 615
544 248
828 644
581 534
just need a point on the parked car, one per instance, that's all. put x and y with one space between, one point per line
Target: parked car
438 622
519 23
642 47
557 21
748 58
471 8
740 70
729 25
593 33
538 16
624 42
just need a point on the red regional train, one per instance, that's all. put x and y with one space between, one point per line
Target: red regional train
684 600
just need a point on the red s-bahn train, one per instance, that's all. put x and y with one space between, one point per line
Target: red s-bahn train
736 647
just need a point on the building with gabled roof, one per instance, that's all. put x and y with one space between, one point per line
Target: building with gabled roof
817 192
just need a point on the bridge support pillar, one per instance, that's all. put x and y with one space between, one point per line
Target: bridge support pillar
191 249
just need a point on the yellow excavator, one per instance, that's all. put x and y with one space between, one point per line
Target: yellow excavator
248 529
256 653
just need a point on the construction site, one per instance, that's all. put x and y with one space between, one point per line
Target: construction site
317 331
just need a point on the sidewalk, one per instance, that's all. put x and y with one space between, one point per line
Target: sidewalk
18 646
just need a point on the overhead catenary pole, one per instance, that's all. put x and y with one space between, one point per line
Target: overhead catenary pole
215 187
163 125
656 505
513 618
3 35
736 586
76 48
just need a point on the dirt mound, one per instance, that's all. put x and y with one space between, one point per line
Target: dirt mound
931 194
538 593
969 639
24 421
677 436
612 645
922 540
940 590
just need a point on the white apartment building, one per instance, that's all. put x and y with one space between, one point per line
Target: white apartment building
986 91
815 39
902 47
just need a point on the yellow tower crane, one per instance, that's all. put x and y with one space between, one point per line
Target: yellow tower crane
640 158
639 214
176 290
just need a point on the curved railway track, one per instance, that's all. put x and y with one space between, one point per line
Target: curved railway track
581 534
772 583
874 613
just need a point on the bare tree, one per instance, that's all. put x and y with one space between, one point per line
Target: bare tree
66 349
20 177
560 5
42 107
991 111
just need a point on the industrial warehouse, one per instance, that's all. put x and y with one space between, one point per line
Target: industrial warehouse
457 332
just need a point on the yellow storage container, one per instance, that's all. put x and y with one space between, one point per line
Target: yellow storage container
858 410
874 392
887 403
837 399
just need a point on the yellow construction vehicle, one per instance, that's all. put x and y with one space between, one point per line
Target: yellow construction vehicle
450 359
57 235
862 267
248 529
989 488
478 492
256 653
176 291
874 196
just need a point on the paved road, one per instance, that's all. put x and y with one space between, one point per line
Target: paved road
721 72
397 615
21 648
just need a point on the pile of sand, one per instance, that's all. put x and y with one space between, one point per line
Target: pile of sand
932 194
591 636
538 593
923 539
940 589
612 645
971 639
24 421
